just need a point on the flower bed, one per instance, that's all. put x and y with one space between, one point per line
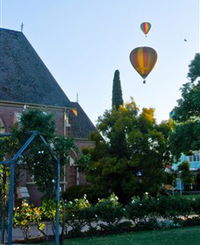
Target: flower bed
80 218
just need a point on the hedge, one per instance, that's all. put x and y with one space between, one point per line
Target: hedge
80 218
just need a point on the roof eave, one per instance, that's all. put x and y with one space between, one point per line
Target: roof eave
34 105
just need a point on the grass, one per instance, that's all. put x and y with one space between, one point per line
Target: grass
191 196
181 236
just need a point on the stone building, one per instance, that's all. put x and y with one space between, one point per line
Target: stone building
25 82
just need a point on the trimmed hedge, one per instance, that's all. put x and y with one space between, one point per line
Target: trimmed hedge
78 191
159 213
109 216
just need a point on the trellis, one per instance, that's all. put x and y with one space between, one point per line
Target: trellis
11 163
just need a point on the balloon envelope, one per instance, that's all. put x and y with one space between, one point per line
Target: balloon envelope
145 26
143 59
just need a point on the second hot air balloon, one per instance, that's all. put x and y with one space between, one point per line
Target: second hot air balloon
145 27
143 59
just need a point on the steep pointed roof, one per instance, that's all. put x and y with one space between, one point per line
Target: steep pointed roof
81 125
23 75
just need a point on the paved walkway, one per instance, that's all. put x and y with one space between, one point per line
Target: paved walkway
34 233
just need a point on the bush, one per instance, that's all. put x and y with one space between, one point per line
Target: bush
109 216
195 203
77 215
109 211
194 221
172 206
165 207
49 210
166 224
141 209
25 215
78 191
150 224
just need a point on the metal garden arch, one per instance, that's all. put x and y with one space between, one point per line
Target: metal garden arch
11 163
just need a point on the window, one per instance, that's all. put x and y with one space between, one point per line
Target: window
17 116
71 161
66 120
195 157
2 127
22 192
67 126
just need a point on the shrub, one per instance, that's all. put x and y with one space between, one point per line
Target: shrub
166 224
149 224
167 206
173 206
194 221
141 209
109 211
195 203
109 216
48 210
25 215
78 191
77 214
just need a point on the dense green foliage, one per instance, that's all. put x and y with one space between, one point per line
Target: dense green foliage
194 68
186 137
185 173
37 159
37 156
117 99
132 151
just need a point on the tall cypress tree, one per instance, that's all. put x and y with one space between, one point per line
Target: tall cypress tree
117 99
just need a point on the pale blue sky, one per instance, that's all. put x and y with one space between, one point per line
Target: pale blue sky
83 42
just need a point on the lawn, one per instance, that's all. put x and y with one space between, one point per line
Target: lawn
181 236
191 196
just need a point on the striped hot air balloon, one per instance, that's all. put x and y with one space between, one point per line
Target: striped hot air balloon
143 59
145 27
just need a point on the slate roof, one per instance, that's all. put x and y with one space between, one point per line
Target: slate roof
23 75
81 125
25 78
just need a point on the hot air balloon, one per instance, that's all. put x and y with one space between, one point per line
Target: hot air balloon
143 59
145 26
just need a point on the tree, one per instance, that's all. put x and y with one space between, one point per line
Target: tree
117 99
115 165
36 158
194 68
186 136
185 174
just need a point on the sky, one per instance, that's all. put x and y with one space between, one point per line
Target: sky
83 42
